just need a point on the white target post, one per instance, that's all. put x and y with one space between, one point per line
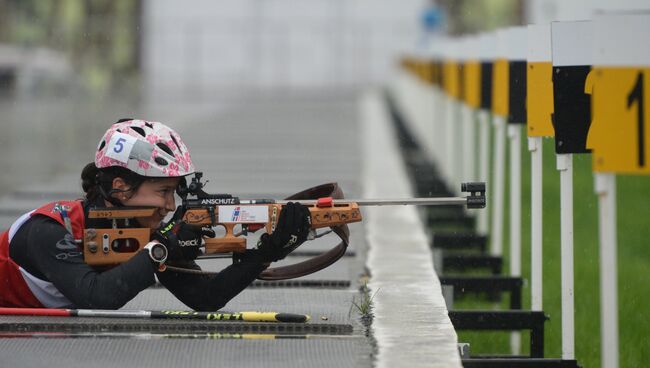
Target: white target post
422 109
452 111
499 116
571 53
411 95
486 55
605 188
539 86
517 50
500 107
438 123
470 102
619 137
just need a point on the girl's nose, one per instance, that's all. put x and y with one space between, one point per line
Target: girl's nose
170 203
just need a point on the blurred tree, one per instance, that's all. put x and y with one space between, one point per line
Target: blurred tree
99 36
471 16
4 20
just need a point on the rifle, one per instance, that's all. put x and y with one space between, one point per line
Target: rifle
241 217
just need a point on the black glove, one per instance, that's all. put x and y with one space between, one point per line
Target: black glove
291 231
183 241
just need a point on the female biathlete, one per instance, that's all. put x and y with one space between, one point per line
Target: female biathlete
137 163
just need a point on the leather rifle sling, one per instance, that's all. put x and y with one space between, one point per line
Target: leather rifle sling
323 260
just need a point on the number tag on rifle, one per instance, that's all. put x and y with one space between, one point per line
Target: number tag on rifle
243 214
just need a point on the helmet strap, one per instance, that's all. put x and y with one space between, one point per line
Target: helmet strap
108 196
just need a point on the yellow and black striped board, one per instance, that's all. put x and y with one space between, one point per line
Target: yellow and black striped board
500 86
539 86
461 81
451 78
571 108
509 75
472 83
424 71
540 99
418 67
517 50
517 92
435 72
441 74
571 47
486 85
620 131
486 53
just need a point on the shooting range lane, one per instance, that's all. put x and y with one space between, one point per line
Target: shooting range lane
259 147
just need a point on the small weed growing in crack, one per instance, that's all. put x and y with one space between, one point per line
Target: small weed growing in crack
364 305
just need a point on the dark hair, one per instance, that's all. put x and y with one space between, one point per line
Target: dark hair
97 182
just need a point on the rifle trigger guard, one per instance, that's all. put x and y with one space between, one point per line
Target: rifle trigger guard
323 260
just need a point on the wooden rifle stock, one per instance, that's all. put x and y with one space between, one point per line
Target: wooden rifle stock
321 217
116 245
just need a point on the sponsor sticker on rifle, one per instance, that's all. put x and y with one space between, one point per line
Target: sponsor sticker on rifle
243 214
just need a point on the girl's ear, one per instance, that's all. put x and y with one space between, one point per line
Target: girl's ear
120 186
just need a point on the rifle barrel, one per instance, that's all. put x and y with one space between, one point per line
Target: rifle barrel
438 201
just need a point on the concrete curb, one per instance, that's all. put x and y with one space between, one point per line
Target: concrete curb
410 324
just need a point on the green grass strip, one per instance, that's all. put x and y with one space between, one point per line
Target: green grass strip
633 194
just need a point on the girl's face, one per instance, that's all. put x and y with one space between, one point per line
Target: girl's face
157 193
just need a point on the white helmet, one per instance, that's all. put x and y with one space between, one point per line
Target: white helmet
147 148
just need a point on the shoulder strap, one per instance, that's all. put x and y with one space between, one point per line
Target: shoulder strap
61 209
323 260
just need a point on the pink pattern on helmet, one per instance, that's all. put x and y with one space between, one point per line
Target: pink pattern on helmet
143 165
152 138
178 164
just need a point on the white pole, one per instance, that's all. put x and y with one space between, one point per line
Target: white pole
484 165
565 166
440 122
498 180
436 129
457 142
467 143
536 220
514 134
450 157
606 189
